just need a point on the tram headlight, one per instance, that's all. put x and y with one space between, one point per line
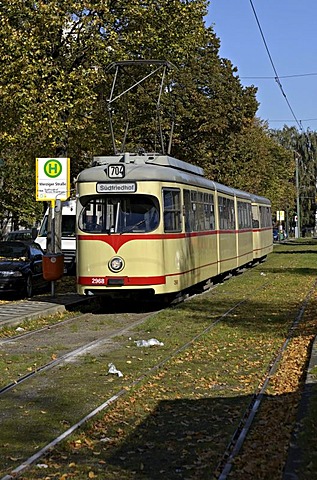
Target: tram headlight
116 264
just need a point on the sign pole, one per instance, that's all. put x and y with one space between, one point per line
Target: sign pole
52 181
53 243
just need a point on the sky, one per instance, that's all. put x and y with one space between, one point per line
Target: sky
289 28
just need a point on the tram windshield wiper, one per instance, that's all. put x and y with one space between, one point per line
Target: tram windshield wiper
130 229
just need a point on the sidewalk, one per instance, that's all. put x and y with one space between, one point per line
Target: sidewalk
36 307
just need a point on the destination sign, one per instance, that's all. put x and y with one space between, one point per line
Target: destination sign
116 187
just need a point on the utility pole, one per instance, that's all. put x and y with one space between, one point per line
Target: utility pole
298 224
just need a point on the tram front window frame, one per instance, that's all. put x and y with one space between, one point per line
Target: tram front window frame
113 214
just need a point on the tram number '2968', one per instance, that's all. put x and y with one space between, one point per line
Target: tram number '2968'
116 171
97 281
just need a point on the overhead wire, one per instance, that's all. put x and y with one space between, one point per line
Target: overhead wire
277 78
288 120
284 76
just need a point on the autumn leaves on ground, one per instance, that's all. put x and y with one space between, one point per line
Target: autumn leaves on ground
178 421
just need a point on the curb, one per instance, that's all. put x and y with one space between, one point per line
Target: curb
294 457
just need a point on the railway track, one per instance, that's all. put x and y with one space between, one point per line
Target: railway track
71 337
104 341
135 381
71 355
236 442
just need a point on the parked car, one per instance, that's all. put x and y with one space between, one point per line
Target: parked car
27 234
21 267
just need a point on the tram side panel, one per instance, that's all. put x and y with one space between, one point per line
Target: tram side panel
200 251
245 247
244 233
262 242
189 246
227 240
262 230
199 259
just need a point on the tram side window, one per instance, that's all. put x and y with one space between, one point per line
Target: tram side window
172 210
209 211
244 215
226 213
199 211
265 217
255 216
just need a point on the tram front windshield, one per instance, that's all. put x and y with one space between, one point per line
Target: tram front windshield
125 214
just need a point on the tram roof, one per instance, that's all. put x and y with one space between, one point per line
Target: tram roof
149 159
260 199
156 167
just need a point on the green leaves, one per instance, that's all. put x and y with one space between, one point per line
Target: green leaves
54 89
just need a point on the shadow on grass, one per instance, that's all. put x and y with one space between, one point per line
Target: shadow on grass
186 439
248 316
180 439
298 242
288 252
293 271
302 452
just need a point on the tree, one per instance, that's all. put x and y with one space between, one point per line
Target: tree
303 145
54 86
52 73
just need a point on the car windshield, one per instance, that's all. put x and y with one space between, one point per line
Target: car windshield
20 235
12 250
68 226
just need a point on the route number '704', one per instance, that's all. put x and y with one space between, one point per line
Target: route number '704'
116 171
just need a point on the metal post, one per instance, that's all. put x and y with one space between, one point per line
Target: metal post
298 225
53 243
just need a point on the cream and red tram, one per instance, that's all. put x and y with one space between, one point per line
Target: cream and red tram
152 224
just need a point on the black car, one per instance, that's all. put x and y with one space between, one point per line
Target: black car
21 267
24 235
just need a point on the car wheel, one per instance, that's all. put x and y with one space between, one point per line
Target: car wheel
29 286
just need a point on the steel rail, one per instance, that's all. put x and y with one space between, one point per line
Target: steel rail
48 447
40 330
71 355
239 436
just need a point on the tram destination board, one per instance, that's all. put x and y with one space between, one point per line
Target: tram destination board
110 187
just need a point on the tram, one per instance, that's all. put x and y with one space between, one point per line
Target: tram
152 225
